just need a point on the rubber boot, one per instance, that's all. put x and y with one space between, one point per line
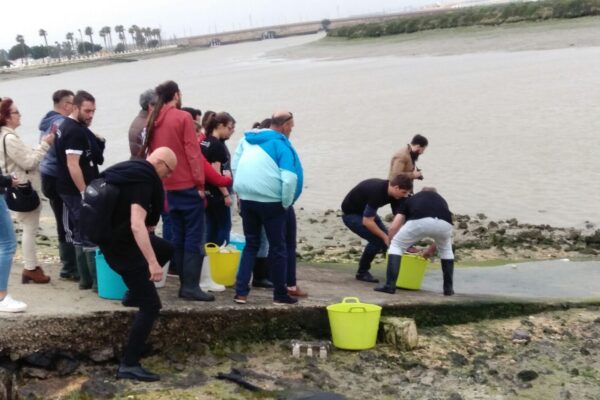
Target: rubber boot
68 260
190 277
364 265
85 279
393 269
90 257
448 271
206 282
260 275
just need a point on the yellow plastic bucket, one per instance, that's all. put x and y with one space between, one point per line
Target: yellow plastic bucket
223 264
412 271
354 325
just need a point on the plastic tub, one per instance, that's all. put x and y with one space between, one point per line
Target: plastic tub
163 281
223 263
110 284
354 325
412 271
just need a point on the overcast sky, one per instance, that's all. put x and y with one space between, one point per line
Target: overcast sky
174 17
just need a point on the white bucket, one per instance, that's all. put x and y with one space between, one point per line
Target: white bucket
163 281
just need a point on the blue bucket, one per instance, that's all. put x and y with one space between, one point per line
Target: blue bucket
110 284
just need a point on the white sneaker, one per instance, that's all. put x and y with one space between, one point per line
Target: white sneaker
8 304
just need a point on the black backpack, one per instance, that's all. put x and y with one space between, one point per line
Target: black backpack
98 205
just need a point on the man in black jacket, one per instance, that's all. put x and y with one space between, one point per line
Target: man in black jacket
425 214
134 251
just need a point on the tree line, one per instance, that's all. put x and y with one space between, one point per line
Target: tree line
134 37
480 15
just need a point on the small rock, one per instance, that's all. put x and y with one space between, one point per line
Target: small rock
238 357
427 380
463 225
102 355
527 375
312 221
584 351
66 366
574 372
565 394
481 216
521 336
457 359
38 373
328 237
455 396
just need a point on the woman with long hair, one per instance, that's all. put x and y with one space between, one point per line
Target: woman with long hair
219 129
22 162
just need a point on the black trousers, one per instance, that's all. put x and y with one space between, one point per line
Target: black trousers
127 260
56 203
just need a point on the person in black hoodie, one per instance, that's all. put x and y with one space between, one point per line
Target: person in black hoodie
134 251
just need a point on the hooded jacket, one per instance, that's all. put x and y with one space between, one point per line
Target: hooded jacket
175 129
266 168
50 124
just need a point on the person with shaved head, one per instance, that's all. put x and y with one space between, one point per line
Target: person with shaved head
134 252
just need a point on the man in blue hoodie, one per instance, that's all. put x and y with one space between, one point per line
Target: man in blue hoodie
63 106
268 179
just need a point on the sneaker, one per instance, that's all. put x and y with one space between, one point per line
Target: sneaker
240 299
8 304
284 301
136 373
366 277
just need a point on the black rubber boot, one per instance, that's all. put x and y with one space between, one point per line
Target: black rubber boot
85 279
364 265
448 271
393 269
68 259
260 275
90 258
190 271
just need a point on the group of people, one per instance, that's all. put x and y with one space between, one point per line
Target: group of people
180 170
416 216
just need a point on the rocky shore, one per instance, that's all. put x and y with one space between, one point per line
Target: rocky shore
323 238
548 355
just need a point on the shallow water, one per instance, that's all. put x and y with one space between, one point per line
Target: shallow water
512 134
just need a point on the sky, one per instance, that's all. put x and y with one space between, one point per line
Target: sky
175 18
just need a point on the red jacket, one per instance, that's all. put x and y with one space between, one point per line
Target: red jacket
175 129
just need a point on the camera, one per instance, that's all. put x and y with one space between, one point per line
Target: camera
421 177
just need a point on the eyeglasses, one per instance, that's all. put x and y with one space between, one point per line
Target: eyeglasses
288 118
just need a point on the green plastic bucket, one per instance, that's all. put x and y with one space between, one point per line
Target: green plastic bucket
412 271
354 325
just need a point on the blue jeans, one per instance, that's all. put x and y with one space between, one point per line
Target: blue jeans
272 216
8 244
218 222
375 245
186 209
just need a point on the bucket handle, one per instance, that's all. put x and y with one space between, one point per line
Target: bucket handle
347 300
211 247
363 309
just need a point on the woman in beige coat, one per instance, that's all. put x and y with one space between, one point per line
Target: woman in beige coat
21 161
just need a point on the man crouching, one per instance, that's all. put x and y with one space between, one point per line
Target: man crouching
134 252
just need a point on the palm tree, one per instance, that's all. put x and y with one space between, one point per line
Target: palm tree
133 29
45 35
89 32
69 37
107 32
21 40
156 34
102 34
120 30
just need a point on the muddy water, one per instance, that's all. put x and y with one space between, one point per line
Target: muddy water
512 133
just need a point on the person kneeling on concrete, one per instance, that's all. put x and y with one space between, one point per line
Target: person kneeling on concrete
426 215
134 252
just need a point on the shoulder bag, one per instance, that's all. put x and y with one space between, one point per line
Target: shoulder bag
21 198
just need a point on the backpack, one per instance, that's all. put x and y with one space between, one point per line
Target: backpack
98 205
